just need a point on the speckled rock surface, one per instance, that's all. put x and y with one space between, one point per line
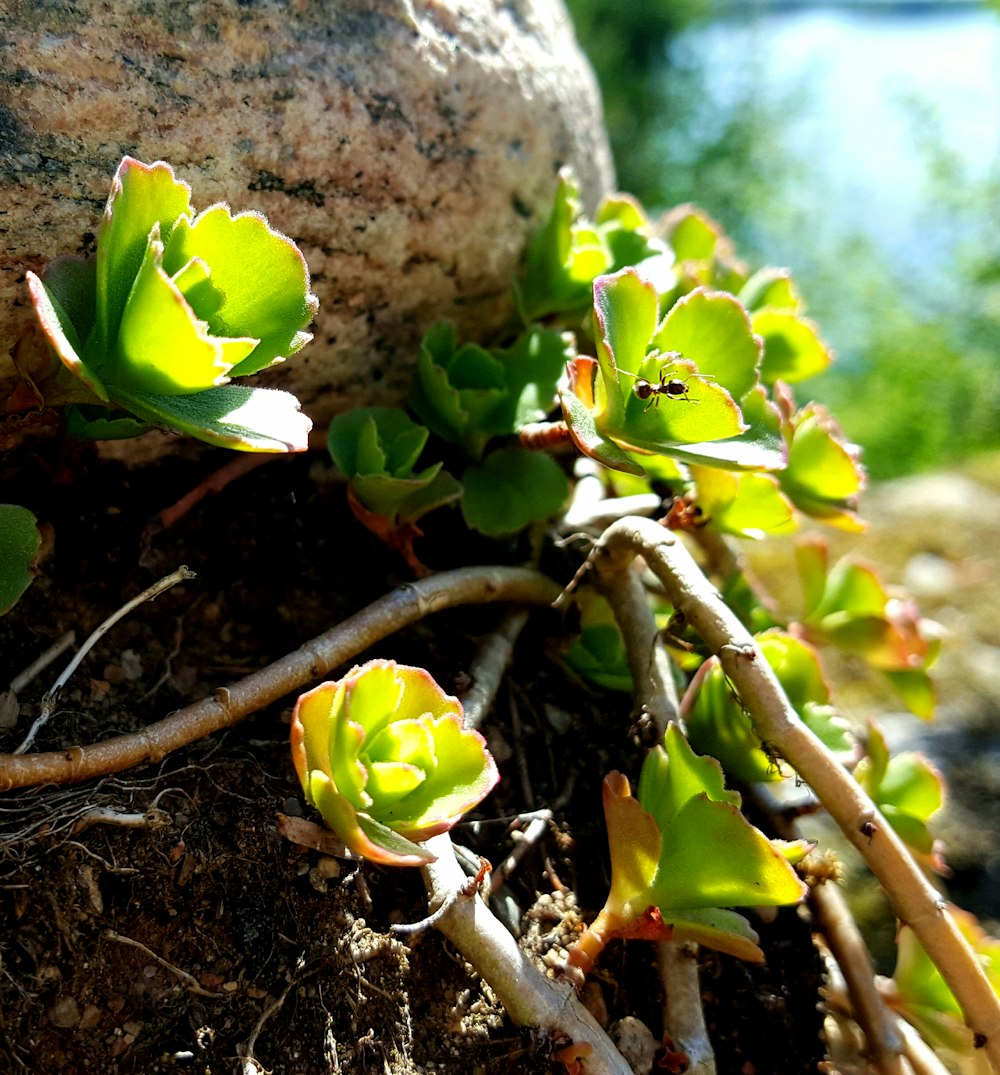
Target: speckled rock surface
408 147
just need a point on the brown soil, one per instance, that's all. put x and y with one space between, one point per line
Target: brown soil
170 947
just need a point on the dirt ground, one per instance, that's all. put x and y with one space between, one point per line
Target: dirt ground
187 934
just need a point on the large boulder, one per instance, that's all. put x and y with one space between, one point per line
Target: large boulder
408 146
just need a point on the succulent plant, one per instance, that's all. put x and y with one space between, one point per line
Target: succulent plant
385 757
173 305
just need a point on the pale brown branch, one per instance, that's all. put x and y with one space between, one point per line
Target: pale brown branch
530 998
653 683
884 1046
492 662
914 900
846 946
310 662
656 694
683 1011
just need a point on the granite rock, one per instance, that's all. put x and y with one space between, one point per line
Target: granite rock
408 146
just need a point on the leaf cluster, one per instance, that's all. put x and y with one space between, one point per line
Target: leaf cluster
663 883
172 307
474 402
384 755
689 372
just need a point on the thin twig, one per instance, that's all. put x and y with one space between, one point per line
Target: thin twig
42 661
914 900
192 983
884 1046
182 574
250 1066
492 661
921 1057
310 662
531 836
242 464
153 818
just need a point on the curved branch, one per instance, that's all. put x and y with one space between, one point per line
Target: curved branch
913 899
653 682
310 662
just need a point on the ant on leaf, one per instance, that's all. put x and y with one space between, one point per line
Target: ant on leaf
672 388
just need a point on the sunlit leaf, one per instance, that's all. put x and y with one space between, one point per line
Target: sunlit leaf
793 350
746 505
63 337
905 786
771 288
634 839
562 259
693 235
718 724
384 755
233 416
675 774
625 311
260 275
164 349
172 308
713 330
823 476
533 367
744 870
142 196
686 408
582 423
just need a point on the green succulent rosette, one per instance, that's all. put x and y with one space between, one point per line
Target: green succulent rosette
385 757
174 304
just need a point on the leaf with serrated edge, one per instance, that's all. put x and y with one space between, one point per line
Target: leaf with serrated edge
142 195
713 330
163 348
625 310
745 870
704 413
793 351
261 276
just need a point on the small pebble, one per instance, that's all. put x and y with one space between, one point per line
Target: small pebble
65 1012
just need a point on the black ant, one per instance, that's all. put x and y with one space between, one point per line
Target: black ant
674 388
